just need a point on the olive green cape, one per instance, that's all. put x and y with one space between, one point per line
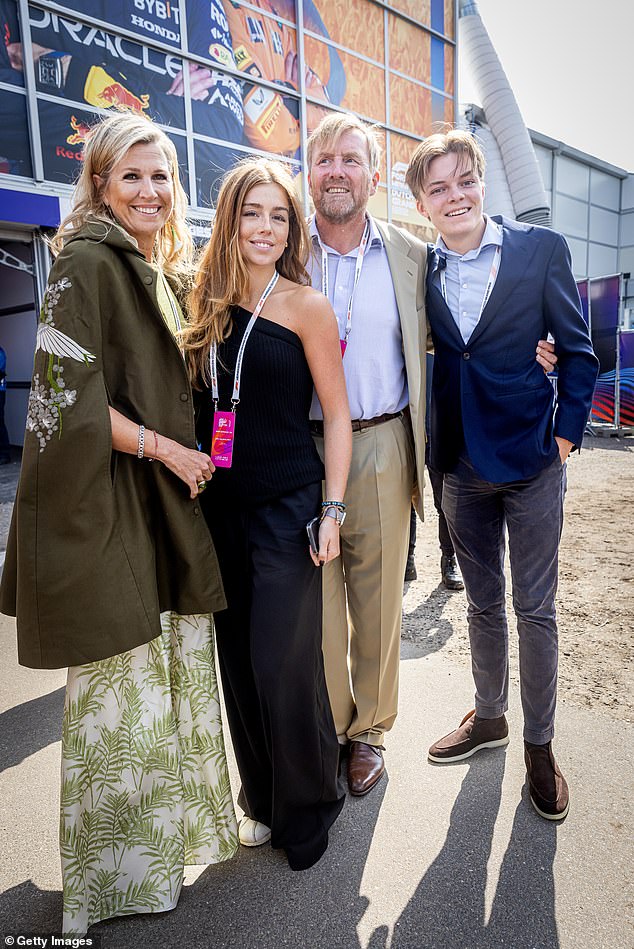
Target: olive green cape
100 542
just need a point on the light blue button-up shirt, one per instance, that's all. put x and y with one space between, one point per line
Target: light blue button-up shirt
374 364
467 277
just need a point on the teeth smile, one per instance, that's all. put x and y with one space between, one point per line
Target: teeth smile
154 210
261 244
337 190
457 213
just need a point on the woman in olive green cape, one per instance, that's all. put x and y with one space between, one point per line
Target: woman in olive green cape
110 568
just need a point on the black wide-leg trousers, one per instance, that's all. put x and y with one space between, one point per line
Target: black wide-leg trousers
269 648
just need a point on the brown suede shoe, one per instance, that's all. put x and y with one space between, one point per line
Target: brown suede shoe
546 784
365 767
472 734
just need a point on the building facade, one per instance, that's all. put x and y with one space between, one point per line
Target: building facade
592 203
223 78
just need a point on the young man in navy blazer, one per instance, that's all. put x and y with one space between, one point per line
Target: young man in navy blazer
494 288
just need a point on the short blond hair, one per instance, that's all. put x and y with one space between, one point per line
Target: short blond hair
456 142
336 124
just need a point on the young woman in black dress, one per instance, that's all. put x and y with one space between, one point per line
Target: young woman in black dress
259 339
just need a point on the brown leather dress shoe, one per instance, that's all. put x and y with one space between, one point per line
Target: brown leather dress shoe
547 786
365 767
472 734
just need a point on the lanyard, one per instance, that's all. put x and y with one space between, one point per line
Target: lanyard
357 273
213 352
495 266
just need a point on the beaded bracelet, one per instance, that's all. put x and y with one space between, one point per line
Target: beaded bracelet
338 504
141 446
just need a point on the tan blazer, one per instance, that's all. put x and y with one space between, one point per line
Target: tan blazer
407 258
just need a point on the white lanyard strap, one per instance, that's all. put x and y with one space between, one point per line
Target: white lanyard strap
495 266
357 273
213 352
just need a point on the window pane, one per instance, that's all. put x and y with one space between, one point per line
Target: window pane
356 24
15 152
211 163
572 216
602 261
418 9
604 226
147 19
579 251
627 229
605 189
410 106
409 49
364 83
572 177
11 70
104 71
271 120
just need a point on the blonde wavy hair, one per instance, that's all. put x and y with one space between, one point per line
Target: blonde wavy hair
106 143
222 276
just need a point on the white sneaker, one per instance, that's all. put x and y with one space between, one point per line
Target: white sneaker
252 833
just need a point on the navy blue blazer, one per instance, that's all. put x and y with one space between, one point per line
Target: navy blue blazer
489 395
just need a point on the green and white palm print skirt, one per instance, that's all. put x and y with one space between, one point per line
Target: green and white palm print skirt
145 787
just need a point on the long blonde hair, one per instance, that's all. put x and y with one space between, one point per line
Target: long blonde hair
222 276
106 143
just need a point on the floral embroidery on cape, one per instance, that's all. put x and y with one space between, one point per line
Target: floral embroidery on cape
49 397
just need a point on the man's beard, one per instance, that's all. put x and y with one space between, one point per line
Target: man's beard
336 210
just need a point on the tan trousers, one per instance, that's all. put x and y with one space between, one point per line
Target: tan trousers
363 588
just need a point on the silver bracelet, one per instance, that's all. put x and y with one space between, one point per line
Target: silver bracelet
141 448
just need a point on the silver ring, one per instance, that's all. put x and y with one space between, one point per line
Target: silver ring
201 486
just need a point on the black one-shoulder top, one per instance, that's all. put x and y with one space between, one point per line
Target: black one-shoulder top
273 452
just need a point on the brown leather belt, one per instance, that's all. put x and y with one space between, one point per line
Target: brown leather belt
358 424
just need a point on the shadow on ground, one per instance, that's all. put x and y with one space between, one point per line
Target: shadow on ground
448 908
27 728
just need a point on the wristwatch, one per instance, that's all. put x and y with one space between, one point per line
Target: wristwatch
338 515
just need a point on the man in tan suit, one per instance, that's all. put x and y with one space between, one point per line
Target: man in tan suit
374 276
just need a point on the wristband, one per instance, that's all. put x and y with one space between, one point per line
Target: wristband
148 457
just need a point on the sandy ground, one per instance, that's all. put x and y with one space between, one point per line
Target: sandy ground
595 601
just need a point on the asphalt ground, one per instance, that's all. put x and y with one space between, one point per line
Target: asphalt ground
435 857
445 857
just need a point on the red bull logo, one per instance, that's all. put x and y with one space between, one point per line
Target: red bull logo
117 96
80 131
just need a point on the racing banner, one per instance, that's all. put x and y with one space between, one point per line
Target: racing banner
143 55
626 378
604 294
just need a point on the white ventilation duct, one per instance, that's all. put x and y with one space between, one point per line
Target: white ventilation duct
497 195
503 118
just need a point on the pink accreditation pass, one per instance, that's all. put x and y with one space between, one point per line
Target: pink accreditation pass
222 439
